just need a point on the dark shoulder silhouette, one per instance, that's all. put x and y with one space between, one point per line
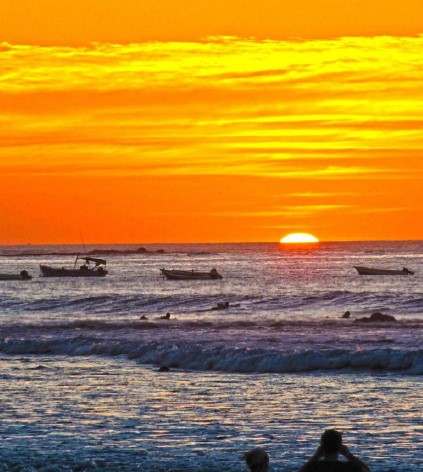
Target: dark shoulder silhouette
332 466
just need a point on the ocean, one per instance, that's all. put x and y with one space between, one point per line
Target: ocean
80 387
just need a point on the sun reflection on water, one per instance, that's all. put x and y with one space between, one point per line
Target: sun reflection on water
126 413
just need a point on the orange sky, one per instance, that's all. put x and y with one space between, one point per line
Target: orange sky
197 121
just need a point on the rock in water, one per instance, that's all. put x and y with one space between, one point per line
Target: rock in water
376 317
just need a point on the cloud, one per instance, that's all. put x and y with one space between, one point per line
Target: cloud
345 109
285 212
315 195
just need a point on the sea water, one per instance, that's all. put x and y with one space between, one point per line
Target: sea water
80 387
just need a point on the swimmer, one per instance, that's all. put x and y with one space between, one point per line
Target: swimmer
257 460
221 306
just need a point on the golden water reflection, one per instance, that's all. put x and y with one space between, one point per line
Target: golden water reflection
90 404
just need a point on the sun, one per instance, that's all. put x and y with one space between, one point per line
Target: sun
299 238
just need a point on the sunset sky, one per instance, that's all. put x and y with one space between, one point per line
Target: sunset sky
138 121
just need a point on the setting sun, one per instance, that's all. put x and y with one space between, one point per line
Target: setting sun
299 238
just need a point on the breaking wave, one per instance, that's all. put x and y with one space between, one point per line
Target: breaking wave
236 360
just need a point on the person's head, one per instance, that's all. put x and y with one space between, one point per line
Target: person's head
331 441
257 460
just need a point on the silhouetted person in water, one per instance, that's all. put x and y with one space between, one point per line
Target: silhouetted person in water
257 460
165 317
325 459
221 306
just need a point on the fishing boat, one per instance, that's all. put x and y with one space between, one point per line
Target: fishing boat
372 271
23 275
91 267
190 274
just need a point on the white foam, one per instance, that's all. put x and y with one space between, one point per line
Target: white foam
242 360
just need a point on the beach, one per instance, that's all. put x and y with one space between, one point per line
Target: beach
80 386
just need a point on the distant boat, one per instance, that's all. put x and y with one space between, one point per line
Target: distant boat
91 267
371 271
23 275
190 274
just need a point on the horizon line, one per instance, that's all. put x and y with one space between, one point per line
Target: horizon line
218 242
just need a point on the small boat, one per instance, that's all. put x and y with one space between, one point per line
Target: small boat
190 274
371 271
91 267
23 275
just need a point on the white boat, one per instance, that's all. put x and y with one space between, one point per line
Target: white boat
23 275
371 271
190 274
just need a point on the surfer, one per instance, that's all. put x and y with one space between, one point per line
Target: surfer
221 306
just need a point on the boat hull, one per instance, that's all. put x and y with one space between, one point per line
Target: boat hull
371 271
190 275
15 277
48 271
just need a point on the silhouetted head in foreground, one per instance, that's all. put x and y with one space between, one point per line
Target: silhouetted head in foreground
327 455
331 442
257 460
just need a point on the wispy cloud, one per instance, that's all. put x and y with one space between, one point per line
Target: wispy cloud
283 212
315 195
332 109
